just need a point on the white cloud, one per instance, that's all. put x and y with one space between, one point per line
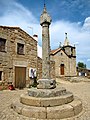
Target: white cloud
15 14
59 28
88 60
76 34
86 25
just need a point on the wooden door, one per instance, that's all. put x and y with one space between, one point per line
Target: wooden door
20 77
62 69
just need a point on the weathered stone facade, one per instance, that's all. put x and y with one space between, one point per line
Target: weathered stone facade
15 67
18 56
39 68
65 60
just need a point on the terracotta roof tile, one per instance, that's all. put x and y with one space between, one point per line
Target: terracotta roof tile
55 51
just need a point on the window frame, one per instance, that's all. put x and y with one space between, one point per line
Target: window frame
2 47
20 46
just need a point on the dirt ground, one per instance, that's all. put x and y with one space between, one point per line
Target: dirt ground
79 89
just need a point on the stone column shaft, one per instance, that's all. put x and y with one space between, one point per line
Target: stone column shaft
45 51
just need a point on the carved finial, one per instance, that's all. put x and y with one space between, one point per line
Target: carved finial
44 7
45 17
66 42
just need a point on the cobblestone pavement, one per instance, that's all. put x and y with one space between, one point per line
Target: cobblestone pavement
80 89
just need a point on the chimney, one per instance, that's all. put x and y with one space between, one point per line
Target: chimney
35 37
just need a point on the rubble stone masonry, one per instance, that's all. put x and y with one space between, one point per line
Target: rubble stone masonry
9 59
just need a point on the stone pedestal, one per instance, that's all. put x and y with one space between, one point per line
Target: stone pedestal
48 104
46 93
46 84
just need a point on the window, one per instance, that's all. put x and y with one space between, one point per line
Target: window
2 45
20 48
61 54
0 75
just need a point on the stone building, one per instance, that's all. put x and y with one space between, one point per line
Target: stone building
83 72
65 59
18 55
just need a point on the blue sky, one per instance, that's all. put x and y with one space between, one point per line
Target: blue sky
71 16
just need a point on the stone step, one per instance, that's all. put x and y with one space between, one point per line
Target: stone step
56 112
45 102
45 93
65 111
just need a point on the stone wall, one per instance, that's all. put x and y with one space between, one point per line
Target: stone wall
52 70
39 68
10 59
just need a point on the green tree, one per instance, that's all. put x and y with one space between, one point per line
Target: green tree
81 64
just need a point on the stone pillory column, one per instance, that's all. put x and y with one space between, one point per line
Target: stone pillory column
43 102
45 21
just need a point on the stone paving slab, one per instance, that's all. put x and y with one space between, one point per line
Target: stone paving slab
81 90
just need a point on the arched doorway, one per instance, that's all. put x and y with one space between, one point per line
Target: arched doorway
62 69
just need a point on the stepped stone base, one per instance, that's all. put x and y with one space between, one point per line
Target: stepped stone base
54 103
46 102
44 93
55 112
